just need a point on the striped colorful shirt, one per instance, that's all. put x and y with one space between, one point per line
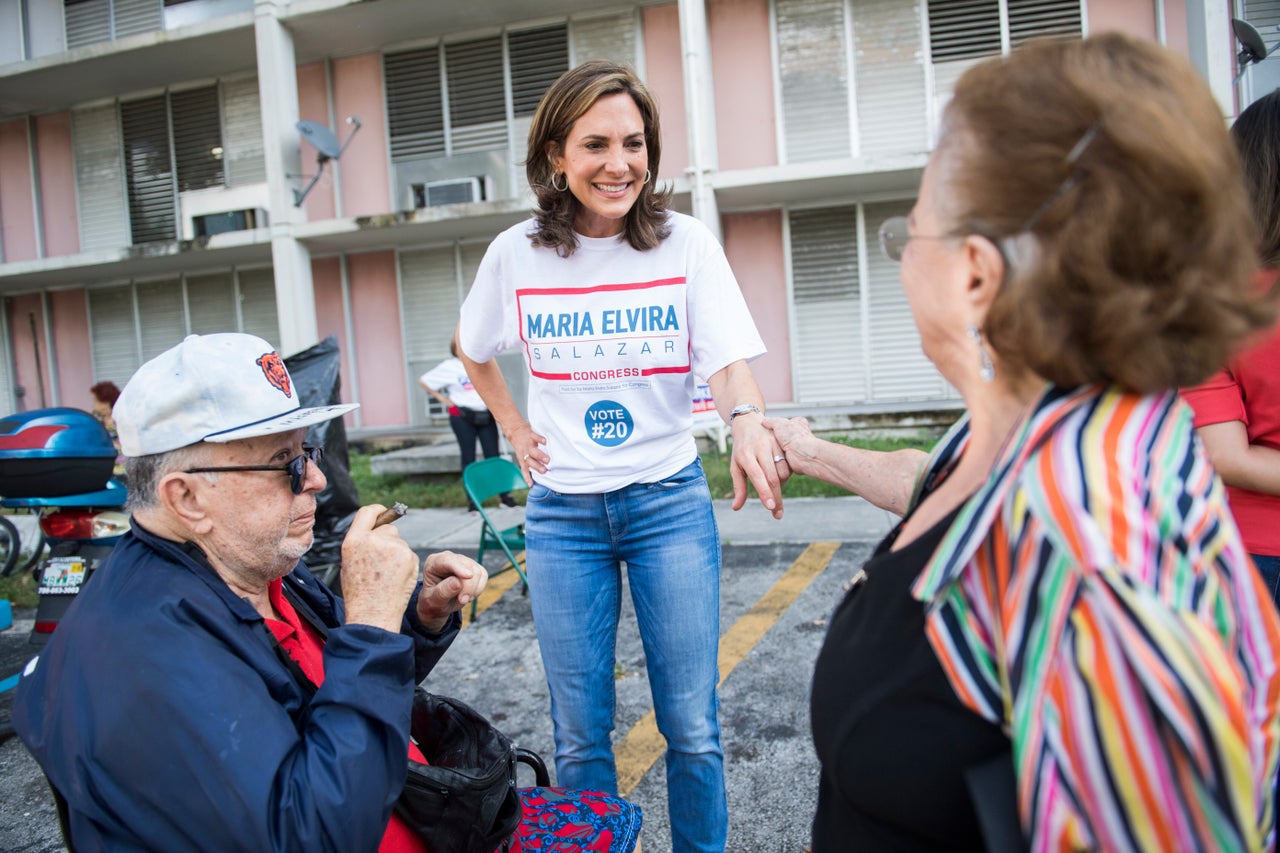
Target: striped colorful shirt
1099 574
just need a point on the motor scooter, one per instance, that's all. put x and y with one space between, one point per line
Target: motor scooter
57 464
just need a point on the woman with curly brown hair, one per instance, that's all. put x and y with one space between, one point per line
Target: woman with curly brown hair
1066 622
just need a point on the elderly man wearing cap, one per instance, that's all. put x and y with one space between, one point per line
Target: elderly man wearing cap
162 710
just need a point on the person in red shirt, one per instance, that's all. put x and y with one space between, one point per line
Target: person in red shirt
1237 411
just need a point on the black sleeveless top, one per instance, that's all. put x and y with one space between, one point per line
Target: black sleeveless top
892 738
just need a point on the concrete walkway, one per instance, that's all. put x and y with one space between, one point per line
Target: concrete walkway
847 519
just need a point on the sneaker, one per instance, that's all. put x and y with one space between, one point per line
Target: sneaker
507 500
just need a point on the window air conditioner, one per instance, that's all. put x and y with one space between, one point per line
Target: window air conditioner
208 224
455 191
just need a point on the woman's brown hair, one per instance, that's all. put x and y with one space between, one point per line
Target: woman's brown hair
1257 136
575 92
1103 170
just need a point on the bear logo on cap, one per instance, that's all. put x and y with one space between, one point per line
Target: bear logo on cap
273 368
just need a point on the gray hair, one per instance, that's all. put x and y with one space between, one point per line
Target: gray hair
144 473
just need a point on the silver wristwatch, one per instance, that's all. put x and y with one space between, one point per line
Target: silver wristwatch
743 409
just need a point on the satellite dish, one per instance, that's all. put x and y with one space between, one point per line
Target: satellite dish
327 148
1252 47
321 138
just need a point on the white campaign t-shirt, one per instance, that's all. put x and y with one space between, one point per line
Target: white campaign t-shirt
612 338
450 378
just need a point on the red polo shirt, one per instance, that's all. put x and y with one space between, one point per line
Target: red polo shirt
301 642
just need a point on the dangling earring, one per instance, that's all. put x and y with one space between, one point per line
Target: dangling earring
647 175
986 369
558 188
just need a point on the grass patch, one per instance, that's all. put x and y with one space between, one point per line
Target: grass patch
426 494
20 589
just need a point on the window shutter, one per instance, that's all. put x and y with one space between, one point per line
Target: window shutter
137 16
87 22
197 132
537 58
1030 19
100 181
892 108
899 370
258 313
211 303
825 293
152 208
815 79
477 95
415 111
606 37
429 304
963 29
114 333
242 157
163 320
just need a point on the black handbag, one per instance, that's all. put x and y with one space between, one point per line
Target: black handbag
464 800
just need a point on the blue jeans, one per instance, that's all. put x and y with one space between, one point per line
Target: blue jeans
666 534
1269 568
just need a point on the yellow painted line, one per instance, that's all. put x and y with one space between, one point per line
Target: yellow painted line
644 744
498 584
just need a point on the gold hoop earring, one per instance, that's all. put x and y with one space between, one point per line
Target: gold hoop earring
559 189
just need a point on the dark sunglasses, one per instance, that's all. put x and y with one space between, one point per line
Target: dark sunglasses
297 468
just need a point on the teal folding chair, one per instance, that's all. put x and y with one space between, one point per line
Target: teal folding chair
486 479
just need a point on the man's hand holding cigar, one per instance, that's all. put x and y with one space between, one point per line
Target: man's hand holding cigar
380 572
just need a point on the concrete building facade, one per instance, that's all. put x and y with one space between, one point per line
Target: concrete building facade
152 169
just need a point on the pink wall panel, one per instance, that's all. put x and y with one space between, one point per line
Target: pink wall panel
26 315
59 217
17 205
665 79
313 105
746 128
375 318
1136 17
326 280
1175 27
753 244
70 310
365 169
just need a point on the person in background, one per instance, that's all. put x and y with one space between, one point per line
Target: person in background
468 417
105 395
1064 639
1238 408
617 302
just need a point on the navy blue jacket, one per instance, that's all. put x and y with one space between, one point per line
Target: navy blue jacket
163 713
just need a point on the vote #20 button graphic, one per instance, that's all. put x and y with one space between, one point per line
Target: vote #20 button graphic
608 423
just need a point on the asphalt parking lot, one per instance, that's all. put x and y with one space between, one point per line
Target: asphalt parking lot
775 597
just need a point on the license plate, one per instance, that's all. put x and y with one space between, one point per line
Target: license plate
62 575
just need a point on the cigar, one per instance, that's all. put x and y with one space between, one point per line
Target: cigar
387 516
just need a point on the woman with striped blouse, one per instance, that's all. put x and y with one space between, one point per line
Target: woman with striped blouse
1063 643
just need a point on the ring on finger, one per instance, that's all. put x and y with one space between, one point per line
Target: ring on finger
779 458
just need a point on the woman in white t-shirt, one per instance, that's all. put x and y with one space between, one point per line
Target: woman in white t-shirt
468 417
617 302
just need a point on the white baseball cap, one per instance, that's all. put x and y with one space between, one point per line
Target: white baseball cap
220 388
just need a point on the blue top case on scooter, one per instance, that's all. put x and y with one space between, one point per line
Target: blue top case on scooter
54 452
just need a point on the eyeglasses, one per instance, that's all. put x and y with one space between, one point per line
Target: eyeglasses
297 467
894 237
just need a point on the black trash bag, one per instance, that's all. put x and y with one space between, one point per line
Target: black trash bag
315 376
